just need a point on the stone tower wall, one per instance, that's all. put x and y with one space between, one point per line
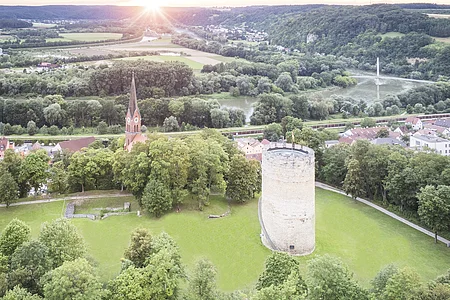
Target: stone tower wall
287 206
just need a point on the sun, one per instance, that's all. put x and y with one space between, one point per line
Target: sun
153 5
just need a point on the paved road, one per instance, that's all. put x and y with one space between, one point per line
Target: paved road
379 208
67 198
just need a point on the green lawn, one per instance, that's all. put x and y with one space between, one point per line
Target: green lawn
164 58
364 238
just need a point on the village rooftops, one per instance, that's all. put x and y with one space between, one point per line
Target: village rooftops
431 139
443 123
75 145
388 141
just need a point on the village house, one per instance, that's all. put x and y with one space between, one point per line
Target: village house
437 129
414 122
5 144
427 143
251 147
73 145
443 123
369 133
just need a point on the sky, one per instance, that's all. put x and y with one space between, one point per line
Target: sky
209 3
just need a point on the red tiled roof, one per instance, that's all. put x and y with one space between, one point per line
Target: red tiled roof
138 138
366 134
412 120
77 145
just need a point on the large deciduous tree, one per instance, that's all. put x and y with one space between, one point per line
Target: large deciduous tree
13 236
9 190
329 278
278 267
72 280
34 169
202 282
434 207
28 264
243 179
63 241
140 247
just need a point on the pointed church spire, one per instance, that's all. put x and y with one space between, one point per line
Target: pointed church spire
132 106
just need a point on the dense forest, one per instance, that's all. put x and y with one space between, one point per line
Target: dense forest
13 23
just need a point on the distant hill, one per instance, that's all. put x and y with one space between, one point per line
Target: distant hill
61 12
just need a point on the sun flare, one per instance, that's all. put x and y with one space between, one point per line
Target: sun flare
153 5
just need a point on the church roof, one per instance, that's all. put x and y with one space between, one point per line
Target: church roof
132 105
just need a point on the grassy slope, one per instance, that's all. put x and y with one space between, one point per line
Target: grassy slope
364 238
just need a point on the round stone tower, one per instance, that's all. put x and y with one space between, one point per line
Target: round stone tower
287 206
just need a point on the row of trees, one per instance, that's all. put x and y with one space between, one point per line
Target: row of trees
55 266
21 59
53 115
161 173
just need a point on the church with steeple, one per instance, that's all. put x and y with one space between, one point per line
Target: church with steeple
133 133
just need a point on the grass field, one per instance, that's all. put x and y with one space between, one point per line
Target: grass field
364 238
5 37
89 36
43 25
439 16
444 40
164 58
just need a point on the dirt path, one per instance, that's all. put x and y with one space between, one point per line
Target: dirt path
67 199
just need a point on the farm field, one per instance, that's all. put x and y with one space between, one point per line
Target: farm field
443 40
5 37
164 46
439 16
43 25
87 37
362 237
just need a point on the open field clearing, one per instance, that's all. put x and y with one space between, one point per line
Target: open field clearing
392 34
4 37
439 16
43 25
443 40
364 238
91 36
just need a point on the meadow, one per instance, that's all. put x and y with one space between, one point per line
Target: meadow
86 37
362 237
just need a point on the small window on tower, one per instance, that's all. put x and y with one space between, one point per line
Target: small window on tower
291 247
136 120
